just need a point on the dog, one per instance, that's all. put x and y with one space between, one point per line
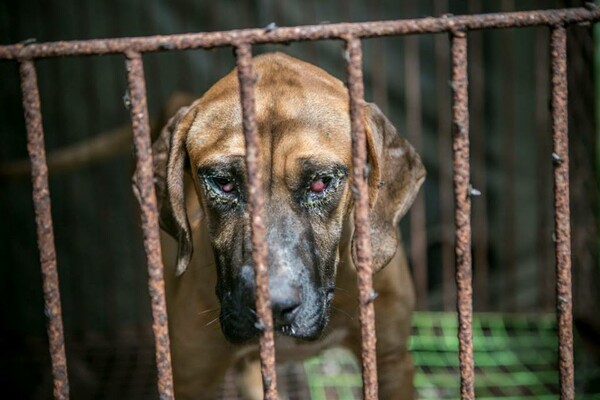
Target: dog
303 121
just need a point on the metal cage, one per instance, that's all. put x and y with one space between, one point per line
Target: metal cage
352 34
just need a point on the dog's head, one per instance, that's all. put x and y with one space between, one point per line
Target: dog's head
305 156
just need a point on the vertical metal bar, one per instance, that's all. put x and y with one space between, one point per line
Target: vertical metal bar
361 219
562 229
144 181
480 217
460 127
45 230
256 207
414 130
445 163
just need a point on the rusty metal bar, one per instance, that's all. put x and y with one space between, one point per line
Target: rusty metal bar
414 131
144 181
302 33
256 202
562 217
45 230
361 219
462 195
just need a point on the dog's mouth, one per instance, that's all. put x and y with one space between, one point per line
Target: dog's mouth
305 330
308 323
241 332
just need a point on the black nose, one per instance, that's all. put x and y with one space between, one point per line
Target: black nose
285 303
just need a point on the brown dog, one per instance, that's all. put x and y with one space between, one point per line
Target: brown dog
302 115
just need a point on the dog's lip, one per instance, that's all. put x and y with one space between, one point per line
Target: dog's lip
297 333
310 328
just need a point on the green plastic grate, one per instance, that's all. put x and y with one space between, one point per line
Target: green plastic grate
515 358
515 355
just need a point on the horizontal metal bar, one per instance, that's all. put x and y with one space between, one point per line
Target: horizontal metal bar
300 33
45 231
144 180
256 201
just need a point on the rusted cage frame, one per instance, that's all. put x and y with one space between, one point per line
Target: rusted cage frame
351 34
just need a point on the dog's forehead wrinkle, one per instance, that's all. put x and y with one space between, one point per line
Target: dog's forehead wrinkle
291 106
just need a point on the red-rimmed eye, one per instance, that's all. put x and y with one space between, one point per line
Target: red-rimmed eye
319 184
224 184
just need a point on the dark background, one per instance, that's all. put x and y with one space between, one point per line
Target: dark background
97 230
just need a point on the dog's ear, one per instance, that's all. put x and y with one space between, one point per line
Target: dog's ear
396 174
169 160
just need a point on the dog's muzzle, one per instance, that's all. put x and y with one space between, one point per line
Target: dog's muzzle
299 308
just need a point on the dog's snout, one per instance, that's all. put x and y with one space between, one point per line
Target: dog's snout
285 303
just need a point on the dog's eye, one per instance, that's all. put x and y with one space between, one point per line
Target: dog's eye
225 185
321 188
320 184
221 185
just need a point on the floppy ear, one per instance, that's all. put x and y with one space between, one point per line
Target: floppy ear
169 158
394 181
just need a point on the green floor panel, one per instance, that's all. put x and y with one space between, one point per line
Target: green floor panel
515 358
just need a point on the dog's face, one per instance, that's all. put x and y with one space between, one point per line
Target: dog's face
305 158
306 199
